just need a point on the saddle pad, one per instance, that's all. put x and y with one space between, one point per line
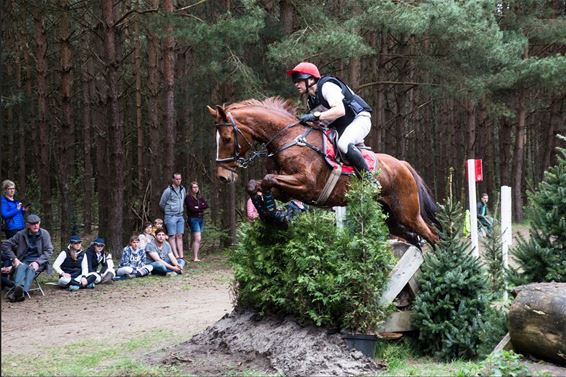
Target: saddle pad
330 156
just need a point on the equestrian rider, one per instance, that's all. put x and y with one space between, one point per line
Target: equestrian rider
347 112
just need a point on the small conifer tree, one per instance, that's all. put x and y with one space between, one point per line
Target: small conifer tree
453 296
542 257
492 253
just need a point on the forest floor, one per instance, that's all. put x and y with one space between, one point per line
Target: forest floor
146 327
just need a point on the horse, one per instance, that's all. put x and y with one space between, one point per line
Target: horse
302 171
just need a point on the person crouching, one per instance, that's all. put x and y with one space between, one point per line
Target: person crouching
72 266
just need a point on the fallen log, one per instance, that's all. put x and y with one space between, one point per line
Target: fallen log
537 321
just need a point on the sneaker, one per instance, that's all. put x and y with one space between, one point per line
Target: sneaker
106 278
90 286
74 287
19 294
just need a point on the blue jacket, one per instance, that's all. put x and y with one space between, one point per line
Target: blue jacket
13 216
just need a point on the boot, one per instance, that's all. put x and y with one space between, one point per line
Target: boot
273 213
260 206
354 155
107 278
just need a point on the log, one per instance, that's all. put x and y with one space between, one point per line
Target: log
537 321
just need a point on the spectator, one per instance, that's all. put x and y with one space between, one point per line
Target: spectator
13 211
100 263
72 266
251 211
133 263
171 203
30 250
147 235
195 205
158 224
160 255
483 214
6 270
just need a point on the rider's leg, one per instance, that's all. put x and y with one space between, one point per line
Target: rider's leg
352 135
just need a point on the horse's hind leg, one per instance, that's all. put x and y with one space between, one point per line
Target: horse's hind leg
407 212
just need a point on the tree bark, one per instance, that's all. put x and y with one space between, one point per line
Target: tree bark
518 157
116 127
537 321
141 171
41 154
87 108
169 77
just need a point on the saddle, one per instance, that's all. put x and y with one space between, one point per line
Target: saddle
334 157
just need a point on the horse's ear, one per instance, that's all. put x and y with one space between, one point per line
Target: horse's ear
221 112
212 112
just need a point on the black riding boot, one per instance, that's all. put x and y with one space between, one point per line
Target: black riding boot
276 215
354 155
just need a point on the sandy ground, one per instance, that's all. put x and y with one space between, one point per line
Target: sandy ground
187 304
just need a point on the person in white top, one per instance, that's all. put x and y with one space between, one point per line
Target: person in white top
346 112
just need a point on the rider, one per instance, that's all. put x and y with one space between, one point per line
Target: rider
347 112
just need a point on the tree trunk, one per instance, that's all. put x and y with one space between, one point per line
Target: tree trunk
518 157
66 130
116 128
537 321
141 173
169 77
87 107
470 106
42 152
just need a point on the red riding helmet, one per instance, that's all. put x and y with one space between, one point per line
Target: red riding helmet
303 71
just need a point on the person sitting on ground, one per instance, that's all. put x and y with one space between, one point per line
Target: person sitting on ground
72 266
100 263
158 224
30 250
147 235
160 256
6 271
133 263
483 213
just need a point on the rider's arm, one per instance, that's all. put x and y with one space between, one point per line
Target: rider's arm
333 95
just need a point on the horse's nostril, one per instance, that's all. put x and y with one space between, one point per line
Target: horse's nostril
222 179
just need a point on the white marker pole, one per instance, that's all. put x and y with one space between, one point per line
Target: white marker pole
340 216
473 208
506 231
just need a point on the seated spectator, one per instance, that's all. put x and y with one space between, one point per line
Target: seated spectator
147 235
30 250
161 257
158 224
13 211
6 270
72 266
133 262
100 263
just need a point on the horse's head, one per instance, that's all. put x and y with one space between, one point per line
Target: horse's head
232 143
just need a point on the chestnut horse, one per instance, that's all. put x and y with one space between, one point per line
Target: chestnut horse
302 170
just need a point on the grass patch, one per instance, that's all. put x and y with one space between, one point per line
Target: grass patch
89 358
401 361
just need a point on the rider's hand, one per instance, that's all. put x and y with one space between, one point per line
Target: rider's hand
308 118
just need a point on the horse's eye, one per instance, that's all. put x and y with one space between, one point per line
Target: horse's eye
226 140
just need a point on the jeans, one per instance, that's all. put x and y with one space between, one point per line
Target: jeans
24 276
196 224
175 225
159 268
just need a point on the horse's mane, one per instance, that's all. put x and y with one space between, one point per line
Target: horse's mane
272 103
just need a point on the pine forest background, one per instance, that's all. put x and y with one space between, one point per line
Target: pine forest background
103 100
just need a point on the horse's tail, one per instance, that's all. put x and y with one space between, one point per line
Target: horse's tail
428 205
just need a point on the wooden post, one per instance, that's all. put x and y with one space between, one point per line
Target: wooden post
340 216
473 208
506 233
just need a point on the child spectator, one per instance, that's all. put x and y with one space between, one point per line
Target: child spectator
72 266
133 263
147 235
100 263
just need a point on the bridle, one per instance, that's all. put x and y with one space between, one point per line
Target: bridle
244 162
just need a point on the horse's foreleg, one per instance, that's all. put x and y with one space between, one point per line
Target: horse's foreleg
289 185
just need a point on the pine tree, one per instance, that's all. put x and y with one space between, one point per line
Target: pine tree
542 257
493 260
453 297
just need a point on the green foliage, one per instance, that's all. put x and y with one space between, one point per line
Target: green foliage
504 364
395 355
542 257
494 329
492 253
452 301
316 272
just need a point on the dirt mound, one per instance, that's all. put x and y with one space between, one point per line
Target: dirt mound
242 341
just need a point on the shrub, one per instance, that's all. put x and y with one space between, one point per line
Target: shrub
504 364
315 272
453 297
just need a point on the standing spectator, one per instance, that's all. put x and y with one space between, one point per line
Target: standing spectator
100 263
72 266
161 257
483 213
147 235
172 205
195 205
13 211
133 263
30 250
